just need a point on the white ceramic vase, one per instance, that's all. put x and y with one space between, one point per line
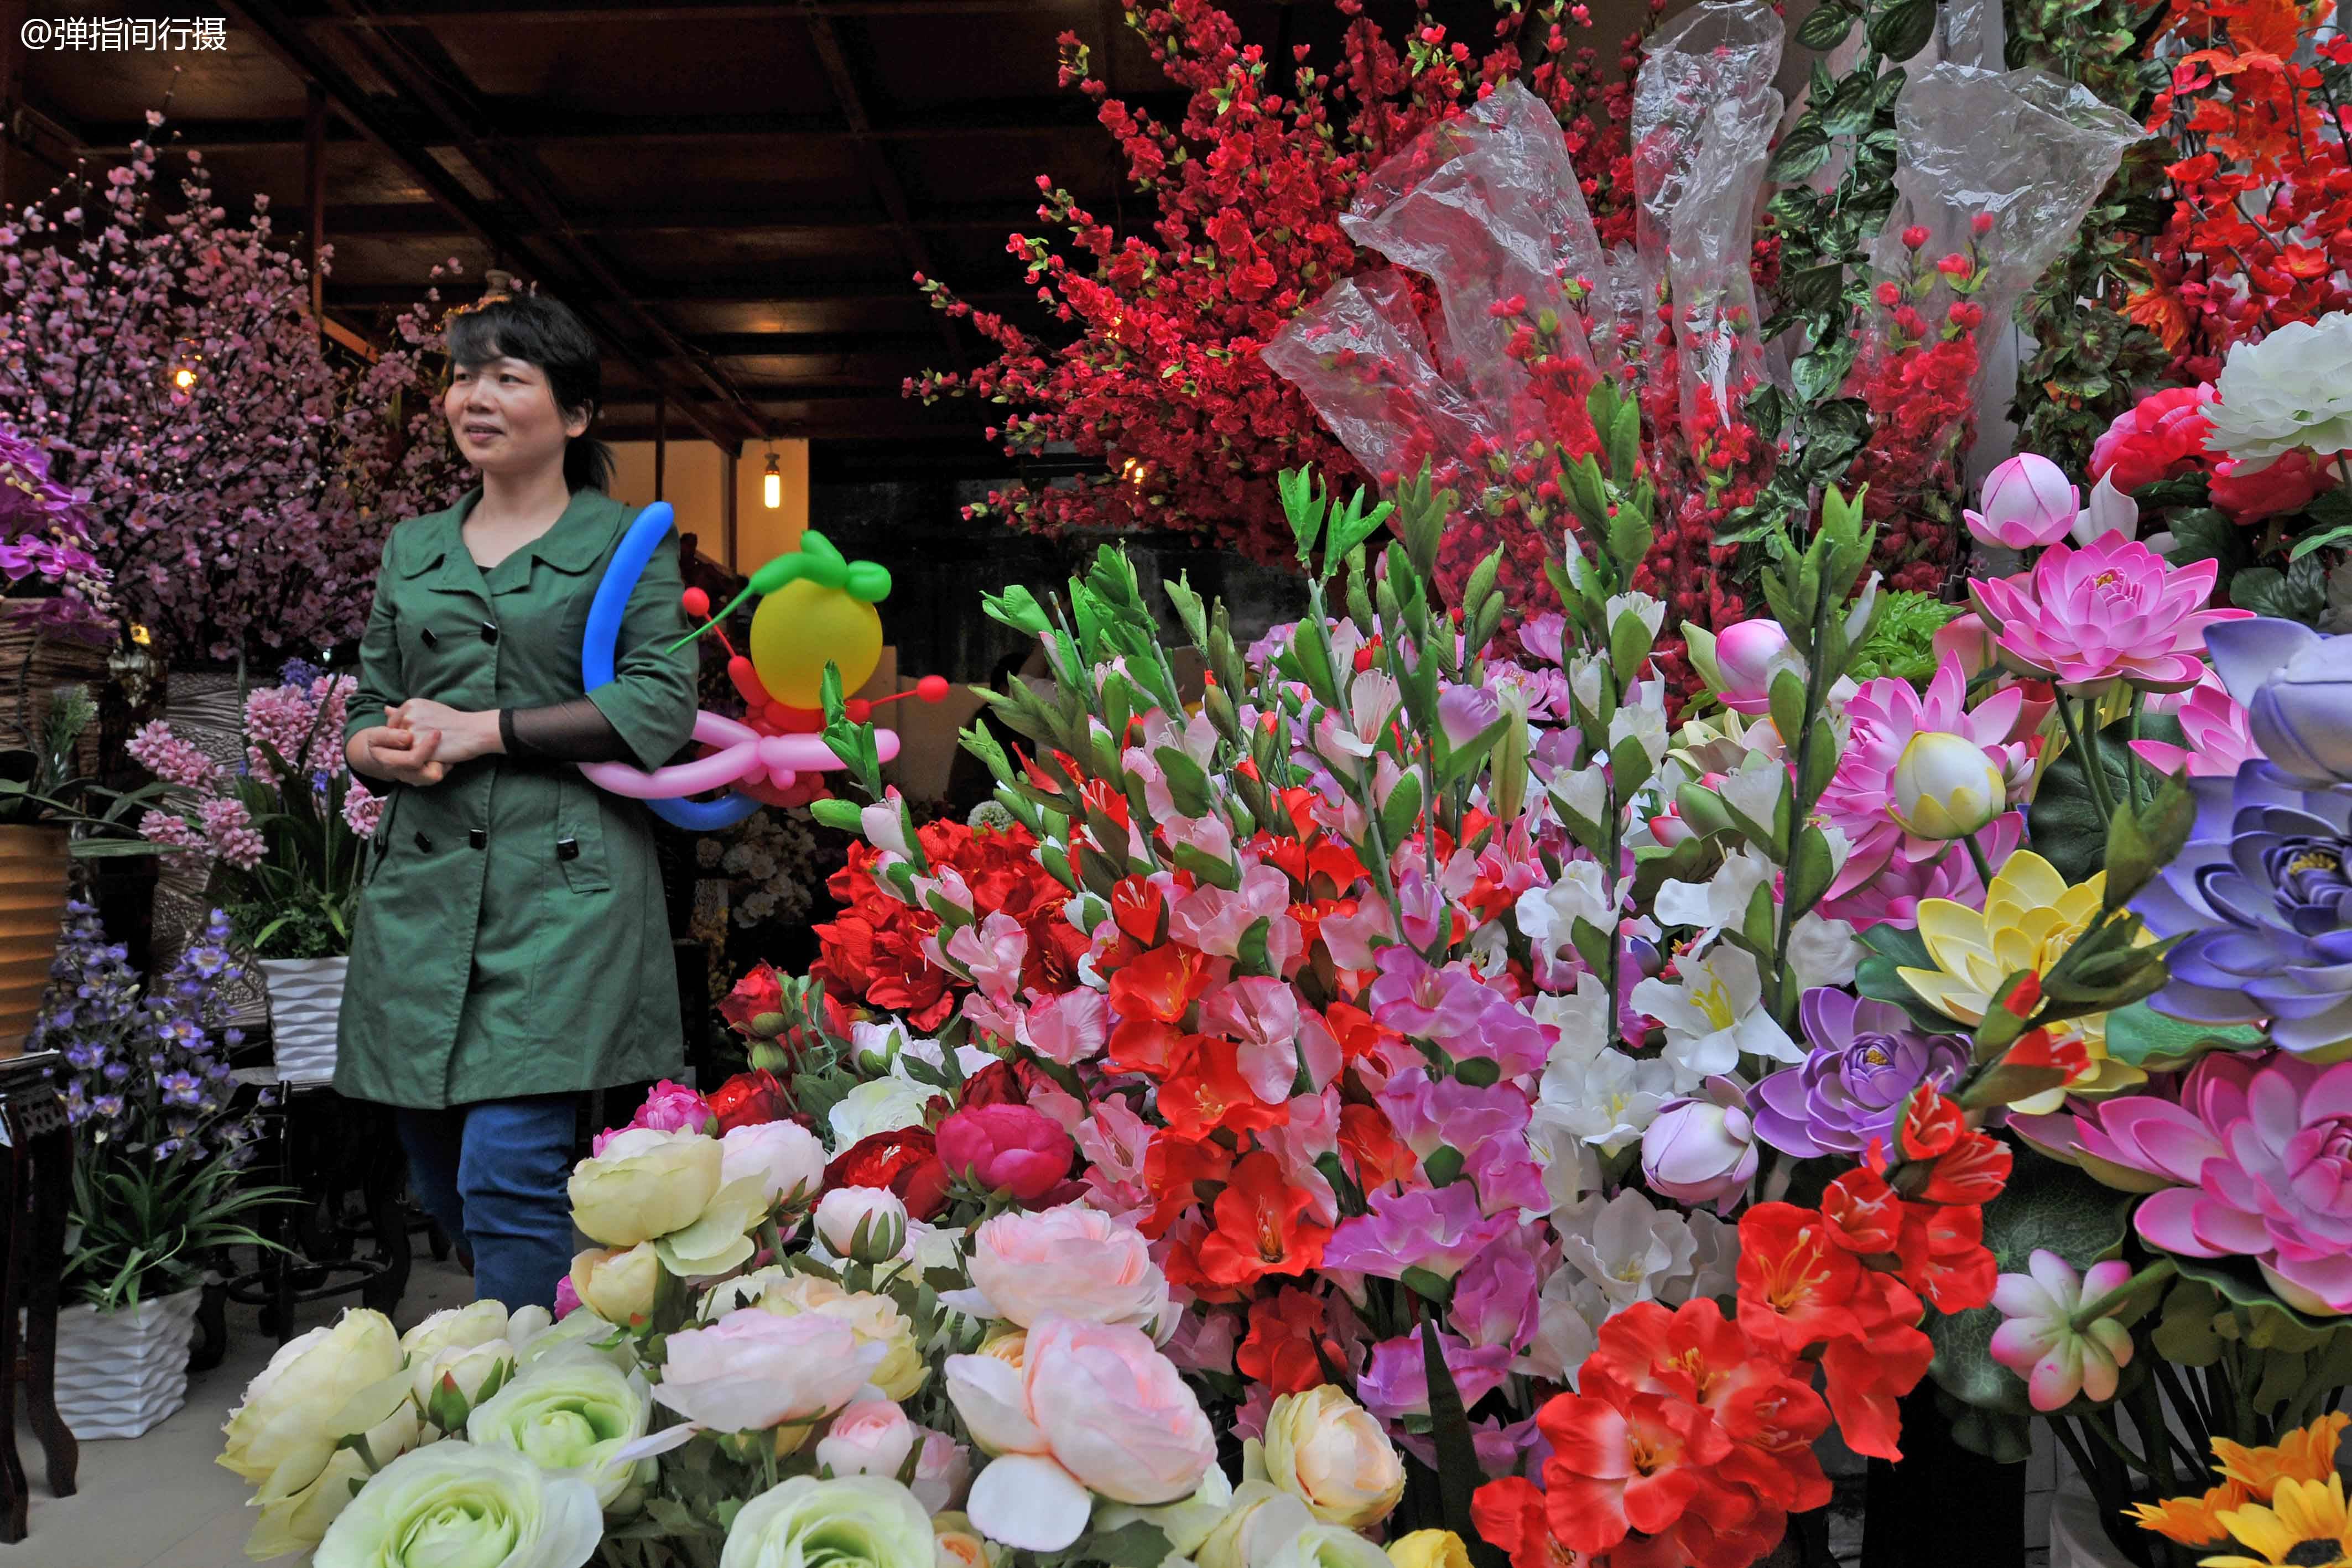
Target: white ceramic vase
305 996
2076 1539
121 1373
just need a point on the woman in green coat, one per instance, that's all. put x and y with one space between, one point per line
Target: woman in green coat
512 947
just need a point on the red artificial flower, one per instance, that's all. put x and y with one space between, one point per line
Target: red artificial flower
1140 911
1174 1172
1152 1048
1289 1347
1797 1285
1972 1171
998 1083
1864 1379
1944 1256
748 1100
1862 1213
2287 485
1161 985
1512 1515
1617 1466
1260 1226
1375 1158
760 993
905 1159
1210 1095
1006 1148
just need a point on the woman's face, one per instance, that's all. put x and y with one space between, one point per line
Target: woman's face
502 414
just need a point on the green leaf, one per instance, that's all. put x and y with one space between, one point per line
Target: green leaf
2046 1203
1137 1544
1825 28
1902 29
2139 1036
1403 808
1458 1471
1188 783
1018 607
2204 534
2065 826
2300 593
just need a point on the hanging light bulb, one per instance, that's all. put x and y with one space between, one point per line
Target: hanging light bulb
771 485
183 378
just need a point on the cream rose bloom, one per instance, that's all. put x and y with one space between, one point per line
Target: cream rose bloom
2292 390
1327 1450
786 1156
1094 1409
477 1323
1070 1261
327 1384
752 1370
646 1184
617 1284
876 1321
877 1105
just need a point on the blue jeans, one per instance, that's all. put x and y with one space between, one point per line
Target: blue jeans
494 1174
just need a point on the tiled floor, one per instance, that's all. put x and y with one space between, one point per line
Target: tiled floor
160 1501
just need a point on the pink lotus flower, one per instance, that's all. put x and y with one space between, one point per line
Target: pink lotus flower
2113 610
1748 654
2027 501
2255 1162
2216 728
1885 714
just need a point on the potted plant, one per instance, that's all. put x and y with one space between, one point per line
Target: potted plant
287 833
161 1141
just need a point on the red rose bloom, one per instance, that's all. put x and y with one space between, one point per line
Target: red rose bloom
749 1099
904 1159
2287 485
757 994
1006 1148
2161 435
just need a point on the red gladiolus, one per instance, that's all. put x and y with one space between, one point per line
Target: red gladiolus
1161 985
1797 1286
1288 1348
1944 1256
1866 1377
1861 1212
1210 1095
1615 1468
1512 1515
750 1099
1261 1226
1006 1148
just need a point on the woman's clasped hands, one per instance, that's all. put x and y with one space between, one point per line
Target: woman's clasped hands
420 740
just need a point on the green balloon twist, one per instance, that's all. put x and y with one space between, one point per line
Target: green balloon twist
818 562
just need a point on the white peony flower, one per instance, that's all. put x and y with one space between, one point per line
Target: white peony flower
2290 391
1607 1099
1626 1247
880 1105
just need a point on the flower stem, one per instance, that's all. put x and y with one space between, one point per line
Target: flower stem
2093 770
2098 1307
1984 867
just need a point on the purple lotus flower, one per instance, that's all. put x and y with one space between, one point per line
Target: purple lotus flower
2254 1161
2262 894
1436 1229
1866 1059
2296 688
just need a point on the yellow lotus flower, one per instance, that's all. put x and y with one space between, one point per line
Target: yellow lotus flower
2029 919
2304 1525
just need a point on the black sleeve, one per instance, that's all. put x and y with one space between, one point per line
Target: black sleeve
576 731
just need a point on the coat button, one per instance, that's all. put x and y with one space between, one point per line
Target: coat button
475 838
490 633
424 840
432 638
567 848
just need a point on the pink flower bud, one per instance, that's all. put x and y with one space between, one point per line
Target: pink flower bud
1748 654
1701 1150
2027 501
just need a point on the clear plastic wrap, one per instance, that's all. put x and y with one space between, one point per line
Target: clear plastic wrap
1704 113
1999 168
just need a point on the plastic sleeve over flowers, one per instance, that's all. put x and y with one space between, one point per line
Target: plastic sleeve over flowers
1704 112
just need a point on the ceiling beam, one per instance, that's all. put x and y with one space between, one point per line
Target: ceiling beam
525 125
811 305
825 40
815 224
292 44
413 59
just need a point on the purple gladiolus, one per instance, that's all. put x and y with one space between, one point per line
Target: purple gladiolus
1437 1230
2262 894
1866 1059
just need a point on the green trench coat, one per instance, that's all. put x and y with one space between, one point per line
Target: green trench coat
512 936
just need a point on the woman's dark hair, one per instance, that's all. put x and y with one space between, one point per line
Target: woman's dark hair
542 332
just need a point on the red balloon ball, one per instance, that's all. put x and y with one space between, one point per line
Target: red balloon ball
859 709
932 688
697 602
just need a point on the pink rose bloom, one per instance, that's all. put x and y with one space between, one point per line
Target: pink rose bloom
2158 438
2113 610
752 1370
1071 1261
567 1300
673 1108
871 1437
942 1470
1006 1148
1094 1409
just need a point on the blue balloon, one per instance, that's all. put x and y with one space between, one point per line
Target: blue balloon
602 638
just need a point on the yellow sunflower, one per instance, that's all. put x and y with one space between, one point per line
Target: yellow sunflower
2030 916
2191 1521
2304 1526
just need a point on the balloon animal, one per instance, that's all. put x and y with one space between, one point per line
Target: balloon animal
815 608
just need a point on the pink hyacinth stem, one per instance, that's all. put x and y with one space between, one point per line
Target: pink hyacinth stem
2098 1307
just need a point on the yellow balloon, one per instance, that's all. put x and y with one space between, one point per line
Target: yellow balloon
800 627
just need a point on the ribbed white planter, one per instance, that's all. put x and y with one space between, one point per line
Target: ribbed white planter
121 1373
305 996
